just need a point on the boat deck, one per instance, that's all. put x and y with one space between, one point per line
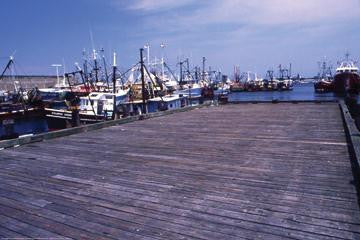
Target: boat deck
248 171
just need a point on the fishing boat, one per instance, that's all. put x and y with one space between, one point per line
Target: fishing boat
100 105
324 86
67 103
285 83
325 80
347 78
192 91
190 87
259 83
21 112
253 84
171 84
149 93
237 85
274 84
96 107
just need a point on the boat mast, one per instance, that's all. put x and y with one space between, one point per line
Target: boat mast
114 84
181 72
105 68
162 60
347 55
95 66
188 68
196 74
114 72
290 69
142 80
85 66
203 65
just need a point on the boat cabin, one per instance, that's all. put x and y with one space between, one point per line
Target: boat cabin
102 103
166 103
347 67
157 104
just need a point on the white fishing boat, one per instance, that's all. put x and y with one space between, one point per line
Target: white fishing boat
101 104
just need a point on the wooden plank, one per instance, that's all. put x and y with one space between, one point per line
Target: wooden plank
249 171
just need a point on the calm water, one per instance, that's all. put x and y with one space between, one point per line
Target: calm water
300 92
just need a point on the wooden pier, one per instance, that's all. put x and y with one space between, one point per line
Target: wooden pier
242 171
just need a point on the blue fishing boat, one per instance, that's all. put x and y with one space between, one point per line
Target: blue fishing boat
21 112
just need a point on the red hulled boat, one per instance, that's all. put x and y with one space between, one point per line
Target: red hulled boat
347 78
325 83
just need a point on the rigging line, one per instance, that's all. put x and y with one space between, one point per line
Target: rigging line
6 68
21 92
152 81
172 74
105 70
123 74
21 68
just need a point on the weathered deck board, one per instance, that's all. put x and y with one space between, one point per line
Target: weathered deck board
252 171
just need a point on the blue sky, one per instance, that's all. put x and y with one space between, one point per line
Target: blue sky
256 35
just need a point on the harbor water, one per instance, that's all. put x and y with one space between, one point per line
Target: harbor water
300 92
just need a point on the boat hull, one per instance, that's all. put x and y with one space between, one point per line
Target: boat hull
324 86
347 82
21 122
61 118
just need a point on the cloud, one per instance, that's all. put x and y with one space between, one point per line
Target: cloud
157 5
190 18
262 12
244 31
276 12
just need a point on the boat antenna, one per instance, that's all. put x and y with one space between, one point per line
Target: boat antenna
162 45
347 55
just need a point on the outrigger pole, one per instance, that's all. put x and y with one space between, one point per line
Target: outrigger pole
11 61
169 70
